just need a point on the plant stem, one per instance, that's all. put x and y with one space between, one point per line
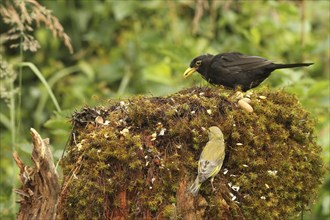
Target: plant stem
19 98
13 139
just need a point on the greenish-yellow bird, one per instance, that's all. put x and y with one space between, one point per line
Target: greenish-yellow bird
211 159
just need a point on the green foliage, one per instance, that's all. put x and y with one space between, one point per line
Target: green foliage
123 48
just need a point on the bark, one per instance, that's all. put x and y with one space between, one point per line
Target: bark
40 185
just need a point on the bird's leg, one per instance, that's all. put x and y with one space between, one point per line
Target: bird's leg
213 188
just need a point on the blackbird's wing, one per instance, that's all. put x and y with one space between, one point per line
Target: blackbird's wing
236 69
236 62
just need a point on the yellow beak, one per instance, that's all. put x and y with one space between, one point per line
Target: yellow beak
189 71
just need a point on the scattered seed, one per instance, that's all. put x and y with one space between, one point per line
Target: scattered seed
99 120
244 105
249 93
79 146
122 103
162 132
247 100
235 188
124 132
239 95
233 197
154 135
272 172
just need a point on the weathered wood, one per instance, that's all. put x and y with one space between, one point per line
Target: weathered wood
40 185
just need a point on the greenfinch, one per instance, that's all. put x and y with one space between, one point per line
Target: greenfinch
210 160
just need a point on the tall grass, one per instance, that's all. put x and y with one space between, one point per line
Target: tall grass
22 18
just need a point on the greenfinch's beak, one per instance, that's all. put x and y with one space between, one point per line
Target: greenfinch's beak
189 71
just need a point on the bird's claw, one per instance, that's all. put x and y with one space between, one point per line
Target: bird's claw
213 188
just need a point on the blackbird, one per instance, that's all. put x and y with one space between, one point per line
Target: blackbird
235 69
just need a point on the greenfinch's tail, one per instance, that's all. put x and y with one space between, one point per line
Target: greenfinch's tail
193 189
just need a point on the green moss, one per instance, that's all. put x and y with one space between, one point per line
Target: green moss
169 211
151 143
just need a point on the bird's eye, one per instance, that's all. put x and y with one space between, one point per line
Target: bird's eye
198 62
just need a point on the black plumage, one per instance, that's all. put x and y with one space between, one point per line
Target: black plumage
235 69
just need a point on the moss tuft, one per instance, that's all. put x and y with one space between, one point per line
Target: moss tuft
134 162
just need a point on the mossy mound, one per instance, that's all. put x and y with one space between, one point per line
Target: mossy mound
133 158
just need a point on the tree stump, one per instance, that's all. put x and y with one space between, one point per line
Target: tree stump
40 186
135 158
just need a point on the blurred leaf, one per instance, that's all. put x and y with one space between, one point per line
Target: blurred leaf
60 121
255 35
87 69
160 73
123 9
5 121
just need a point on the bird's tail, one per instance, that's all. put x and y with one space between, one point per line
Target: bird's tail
282 66
193 189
